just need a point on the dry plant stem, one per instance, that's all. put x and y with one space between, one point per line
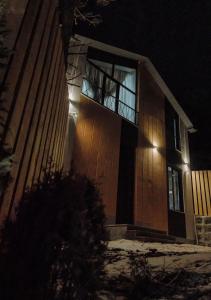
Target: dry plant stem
76 76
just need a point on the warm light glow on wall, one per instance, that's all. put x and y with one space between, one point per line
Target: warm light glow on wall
186 165
73 110
155 147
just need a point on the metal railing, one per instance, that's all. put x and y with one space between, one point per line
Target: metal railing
97 89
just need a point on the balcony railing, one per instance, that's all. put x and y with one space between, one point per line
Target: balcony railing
109 92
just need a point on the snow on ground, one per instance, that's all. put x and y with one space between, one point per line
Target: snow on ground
133 245
192 260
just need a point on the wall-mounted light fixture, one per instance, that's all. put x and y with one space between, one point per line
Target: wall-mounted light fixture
155 147
73 110
74 114
186 166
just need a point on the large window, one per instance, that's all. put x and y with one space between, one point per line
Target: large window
174 190
113 86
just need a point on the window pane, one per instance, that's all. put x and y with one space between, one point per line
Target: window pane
176 190
110 94
126 76
92 83
127 97
170 185
126 112
100 87
86 89
106 67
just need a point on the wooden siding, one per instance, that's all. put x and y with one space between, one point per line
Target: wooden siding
187 183
151 183
36 97
96 150
201 181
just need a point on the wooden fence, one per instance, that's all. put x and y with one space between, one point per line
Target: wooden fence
201 181
36 101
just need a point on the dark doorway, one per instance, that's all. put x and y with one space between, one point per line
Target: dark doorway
177 224
175 203
125 198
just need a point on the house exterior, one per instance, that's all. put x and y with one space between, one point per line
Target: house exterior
129 134
106 113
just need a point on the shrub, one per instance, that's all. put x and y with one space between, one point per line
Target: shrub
53 250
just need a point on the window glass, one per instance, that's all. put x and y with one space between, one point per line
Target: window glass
117 94
106 67
175 201
170 183
127 112
93 83
110 94
127 97
176 190
126 76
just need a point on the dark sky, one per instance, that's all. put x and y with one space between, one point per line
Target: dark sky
176 36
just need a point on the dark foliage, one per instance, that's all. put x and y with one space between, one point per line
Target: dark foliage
5 152
53 250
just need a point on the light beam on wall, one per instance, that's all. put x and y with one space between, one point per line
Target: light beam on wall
186 166
155 147
73 109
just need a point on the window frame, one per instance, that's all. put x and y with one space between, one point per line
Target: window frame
179 187
118 85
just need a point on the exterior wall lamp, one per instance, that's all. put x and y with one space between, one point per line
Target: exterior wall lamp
155 147
186 166
74 114
72 109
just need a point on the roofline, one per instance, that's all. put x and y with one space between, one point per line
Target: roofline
111 49
150 67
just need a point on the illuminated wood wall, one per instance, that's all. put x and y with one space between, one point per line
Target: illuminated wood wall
151 183
36 97
96 150
201 181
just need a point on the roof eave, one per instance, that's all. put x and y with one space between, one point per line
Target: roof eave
150 67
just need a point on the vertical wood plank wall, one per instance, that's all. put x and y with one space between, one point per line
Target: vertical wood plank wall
96 151
151 183
201 181
187 183
36 100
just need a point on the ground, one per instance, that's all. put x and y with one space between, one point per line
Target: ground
137 270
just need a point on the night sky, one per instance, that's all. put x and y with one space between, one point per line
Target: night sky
176 36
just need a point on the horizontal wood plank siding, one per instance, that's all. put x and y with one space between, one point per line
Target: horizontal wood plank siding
36 98
201 181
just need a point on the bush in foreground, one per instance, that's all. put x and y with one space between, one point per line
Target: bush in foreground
53 250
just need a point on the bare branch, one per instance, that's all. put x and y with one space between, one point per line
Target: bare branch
77 53
81 14
72 84
72 66
76 76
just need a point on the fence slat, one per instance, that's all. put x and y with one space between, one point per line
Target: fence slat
201 183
